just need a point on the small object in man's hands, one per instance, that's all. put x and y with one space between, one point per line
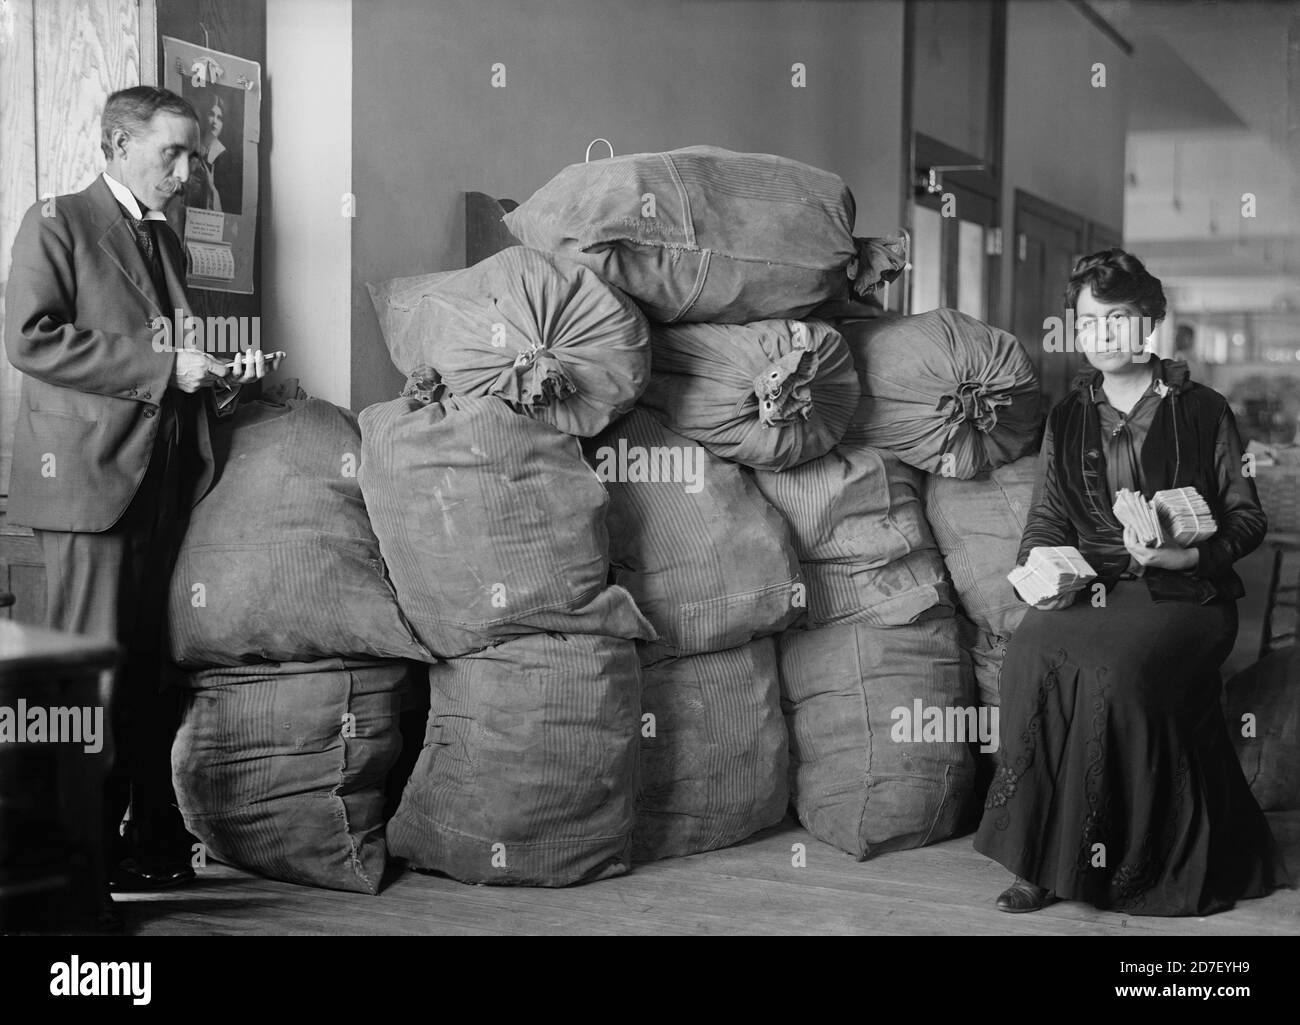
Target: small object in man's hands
269 358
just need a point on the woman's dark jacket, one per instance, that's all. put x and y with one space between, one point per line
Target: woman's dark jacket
1192 442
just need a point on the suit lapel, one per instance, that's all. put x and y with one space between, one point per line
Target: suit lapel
119 243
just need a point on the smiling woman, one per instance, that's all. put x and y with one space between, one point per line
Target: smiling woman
1117 783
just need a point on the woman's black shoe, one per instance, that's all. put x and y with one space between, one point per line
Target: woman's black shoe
1022 896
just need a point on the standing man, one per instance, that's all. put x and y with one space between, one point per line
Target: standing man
112 442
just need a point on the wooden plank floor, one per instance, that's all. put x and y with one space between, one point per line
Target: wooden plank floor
753 888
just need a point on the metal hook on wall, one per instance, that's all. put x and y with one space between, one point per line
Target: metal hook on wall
204 29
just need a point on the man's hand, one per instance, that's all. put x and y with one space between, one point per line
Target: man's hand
195 370
1171 555
251 365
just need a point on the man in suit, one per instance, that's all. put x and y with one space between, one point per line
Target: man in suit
112 441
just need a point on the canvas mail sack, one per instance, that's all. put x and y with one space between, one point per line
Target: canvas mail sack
707 234
540 332
491 525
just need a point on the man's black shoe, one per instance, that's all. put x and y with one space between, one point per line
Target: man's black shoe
141 875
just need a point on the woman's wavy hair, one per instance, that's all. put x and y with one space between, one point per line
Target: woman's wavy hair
1116 276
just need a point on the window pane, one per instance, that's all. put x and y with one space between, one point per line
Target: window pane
970 270
950 72
926 258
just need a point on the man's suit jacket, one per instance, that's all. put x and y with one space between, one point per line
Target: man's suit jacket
80 312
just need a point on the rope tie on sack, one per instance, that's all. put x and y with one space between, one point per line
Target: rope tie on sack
977 402
425 385
877 262
784 389
537 378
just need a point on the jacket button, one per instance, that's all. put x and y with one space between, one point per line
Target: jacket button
146 395
132 393
150 412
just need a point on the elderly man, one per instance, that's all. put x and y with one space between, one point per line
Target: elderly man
112 440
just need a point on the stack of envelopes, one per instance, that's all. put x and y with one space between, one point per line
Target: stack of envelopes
1184 515
1135 512
1050 573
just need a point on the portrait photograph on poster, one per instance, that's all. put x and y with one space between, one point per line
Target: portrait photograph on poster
218 220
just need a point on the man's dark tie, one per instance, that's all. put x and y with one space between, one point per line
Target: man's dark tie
143 238
147 243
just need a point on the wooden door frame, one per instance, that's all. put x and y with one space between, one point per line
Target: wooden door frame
1027 203
986 183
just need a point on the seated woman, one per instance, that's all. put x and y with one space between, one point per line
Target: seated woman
1117 783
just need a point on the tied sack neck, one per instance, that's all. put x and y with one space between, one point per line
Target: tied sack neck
535 379
977 402
784 389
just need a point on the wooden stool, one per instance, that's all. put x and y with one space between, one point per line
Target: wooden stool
53 866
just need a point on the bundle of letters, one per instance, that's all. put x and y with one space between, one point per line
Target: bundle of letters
1184 515
1050 573
1178 513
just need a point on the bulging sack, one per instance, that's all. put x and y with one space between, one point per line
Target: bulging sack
944 392
279 562
771 394
869 770
713 769
978 524
540 332
491 524
706 558
280 769
864 548
706 234
528 772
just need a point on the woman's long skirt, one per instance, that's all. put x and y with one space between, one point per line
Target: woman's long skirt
1117 783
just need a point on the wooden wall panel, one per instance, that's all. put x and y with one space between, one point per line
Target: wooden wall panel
86 49
17 182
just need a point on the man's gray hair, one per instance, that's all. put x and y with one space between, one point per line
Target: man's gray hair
132 110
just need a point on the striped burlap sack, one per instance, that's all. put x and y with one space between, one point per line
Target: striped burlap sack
869 772
977 524
280 768
279 561
865 551
491 524
714 752
528 771
707 234
771 394
537 331
704 555
944 392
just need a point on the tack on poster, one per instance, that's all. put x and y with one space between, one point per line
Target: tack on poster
217 220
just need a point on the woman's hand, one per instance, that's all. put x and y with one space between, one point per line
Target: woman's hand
1063 601
1171 555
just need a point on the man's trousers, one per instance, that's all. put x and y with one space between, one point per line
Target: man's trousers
113 585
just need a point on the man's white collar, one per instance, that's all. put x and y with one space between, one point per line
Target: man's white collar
123 195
